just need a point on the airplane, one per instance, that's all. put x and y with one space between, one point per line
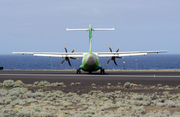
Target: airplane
90 60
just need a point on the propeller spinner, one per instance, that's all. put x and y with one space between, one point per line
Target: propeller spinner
68 58
113 57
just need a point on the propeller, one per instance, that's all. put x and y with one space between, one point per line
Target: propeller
114 57
68 58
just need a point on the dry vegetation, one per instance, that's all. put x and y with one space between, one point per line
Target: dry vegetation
45 99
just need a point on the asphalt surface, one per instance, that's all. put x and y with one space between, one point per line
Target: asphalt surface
113 77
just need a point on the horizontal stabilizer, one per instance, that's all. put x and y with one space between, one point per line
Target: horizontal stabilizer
99 29
96 29
78 29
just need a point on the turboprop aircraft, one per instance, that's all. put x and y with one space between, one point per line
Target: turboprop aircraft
90 60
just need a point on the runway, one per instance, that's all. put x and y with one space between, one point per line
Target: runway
113 77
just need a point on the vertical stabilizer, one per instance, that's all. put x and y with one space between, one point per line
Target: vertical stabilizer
90 39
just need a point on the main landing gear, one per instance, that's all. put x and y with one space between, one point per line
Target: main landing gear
78 71
102 71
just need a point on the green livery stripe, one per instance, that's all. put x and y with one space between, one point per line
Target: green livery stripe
81 67
84 59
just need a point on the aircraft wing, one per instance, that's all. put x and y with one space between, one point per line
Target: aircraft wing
53 54
122 54
81 54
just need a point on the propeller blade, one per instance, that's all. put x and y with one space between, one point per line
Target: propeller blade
118 50
115 63
74 58
69 63
65 49
110 48
108 61
119 57
73 50
114 57
62 62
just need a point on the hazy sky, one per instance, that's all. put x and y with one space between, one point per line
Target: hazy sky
40 25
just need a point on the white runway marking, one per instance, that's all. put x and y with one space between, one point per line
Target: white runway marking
84 75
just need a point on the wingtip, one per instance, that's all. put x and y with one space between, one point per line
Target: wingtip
64 47
106 64
108 46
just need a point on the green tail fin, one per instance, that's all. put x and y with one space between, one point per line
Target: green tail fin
90 39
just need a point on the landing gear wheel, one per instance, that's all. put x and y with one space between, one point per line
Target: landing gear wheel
78 71
103 71
90 72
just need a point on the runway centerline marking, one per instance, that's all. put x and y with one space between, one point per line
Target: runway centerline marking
83 75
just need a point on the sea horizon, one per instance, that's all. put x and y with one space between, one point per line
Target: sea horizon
147 62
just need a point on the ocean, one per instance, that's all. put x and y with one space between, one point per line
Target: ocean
150 61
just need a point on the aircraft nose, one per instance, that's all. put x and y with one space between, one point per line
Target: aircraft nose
90 60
